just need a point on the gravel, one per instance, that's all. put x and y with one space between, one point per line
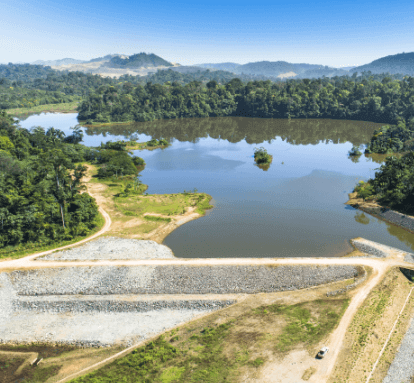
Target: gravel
361 278
112 306
181 279
89 306
376 249
93 328
402 367
107 248
409 258
399 219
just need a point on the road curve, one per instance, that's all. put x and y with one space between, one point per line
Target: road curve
30 258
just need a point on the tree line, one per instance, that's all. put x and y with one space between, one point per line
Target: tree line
376 99
41 193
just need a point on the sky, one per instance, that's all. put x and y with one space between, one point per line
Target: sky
335 33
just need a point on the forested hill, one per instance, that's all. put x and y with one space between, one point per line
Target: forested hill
24 72
266 68
376 98
138 60
277 68
231 67
401 63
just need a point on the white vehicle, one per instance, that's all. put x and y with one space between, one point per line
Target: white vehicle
323 351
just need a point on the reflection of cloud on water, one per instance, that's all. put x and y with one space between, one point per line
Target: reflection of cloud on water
190 159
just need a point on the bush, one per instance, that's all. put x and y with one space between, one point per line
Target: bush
364 190
261 156
138 161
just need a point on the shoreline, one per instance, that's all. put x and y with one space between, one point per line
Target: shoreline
139 216
64 107
383 213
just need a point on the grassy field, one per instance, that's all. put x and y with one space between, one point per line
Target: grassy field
69 107
136 214
369 329
13 252
230 345
210 351
15 361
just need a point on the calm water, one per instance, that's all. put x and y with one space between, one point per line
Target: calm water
294 209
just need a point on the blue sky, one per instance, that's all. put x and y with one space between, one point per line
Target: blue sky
335 33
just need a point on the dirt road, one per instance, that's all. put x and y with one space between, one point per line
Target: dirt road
324 367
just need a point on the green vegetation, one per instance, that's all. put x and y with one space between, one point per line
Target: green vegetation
12 97
377 99
220 352
370 327
302 326
68 107
29 248
355 151
41 200
261 156
9 365
393 184
253 131
150 145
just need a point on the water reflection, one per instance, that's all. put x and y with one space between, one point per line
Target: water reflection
251 130
360 217
293 208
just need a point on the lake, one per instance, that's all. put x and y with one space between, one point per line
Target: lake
293 209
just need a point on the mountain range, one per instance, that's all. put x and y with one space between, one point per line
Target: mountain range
115 65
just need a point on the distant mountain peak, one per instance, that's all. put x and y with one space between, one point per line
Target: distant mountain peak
402 63
137 60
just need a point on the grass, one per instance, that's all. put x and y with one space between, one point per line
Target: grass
20 251
68 107
369 329
9 366
55 358
208 351
141 213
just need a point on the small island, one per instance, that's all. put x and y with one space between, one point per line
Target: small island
149 145
262 158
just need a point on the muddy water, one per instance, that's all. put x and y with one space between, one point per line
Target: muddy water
293 209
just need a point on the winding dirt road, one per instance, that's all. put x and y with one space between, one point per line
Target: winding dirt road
325 367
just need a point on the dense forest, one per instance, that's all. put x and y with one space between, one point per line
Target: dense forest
393 185
373 98
41 199
31 85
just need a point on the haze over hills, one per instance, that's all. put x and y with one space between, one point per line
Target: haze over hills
141 64
400 63
231 67
60 62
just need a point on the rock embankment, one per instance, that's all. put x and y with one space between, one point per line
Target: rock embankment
112 248
102 280
376 249
111 306
386 214
402 367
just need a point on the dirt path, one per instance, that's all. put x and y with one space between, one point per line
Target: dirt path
324 367
336 339
104 229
